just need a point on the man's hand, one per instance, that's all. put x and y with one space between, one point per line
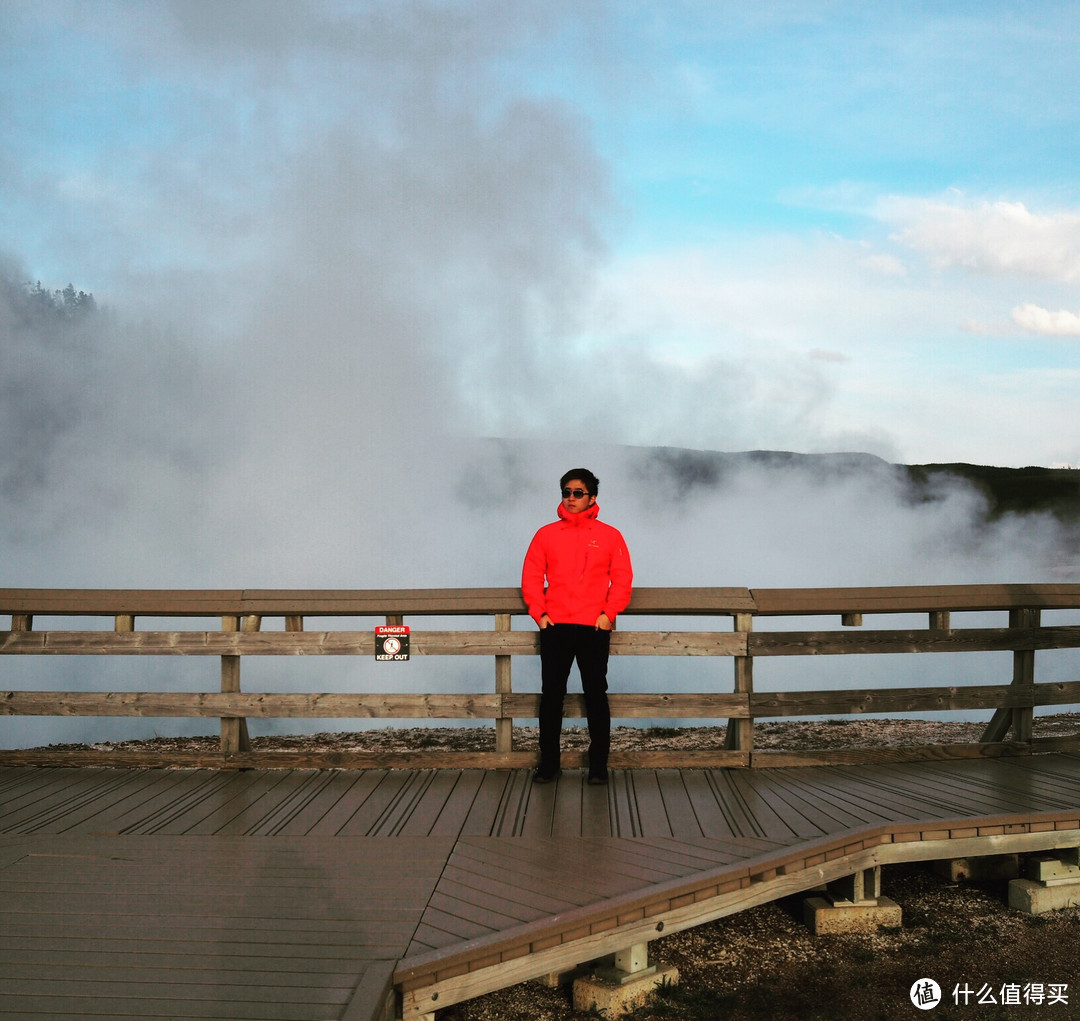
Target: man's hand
546 621
603 622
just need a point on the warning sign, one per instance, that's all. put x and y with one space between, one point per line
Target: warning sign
392 642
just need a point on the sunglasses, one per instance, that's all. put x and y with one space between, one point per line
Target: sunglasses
577 494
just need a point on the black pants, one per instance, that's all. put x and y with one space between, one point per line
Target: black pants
560 645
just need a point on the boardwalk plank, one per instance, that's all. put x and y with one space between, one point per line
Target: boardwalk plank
540 809
311 796
177 993
470 909
625 821
678 806
134 955
566 814
815 804
519 903
1024 782
276 799
46 1004
500 795
177 813
69 801
769 817
231 810
47 970
153 797
708 811
447 802
596 810
459 806
351 798
540 867
382 806
731 804
947 795
649 801
688 856
23 785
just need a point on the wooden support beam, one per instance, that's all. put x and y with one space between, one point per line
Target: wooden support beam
504 726
234 732
863 885
632 959
1017 719
740 731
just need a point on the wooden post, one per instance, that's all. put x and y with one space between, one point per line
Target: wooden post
504 726
294 623
740 733
125 622
22 622
1019 719
234 732
939 620
863 885
1024 673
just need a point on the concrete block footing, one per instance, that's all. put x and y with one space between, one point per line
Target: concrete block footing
613 998
826 916
1053 883
985 869
1035 898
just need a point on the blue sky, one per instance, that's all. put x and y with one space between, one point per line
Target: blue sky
805 226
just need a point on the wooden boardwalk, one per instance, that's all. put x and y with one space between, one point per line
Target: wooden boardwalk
321 894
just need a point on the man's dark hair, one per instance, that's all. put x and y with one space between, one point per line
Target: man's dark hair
592 483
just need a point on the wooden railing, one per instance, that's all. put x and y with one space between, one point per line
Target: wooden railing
244 630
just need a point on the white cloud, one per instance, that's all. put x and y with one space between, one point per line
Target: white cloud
988 237
1033 319
823 355
886 265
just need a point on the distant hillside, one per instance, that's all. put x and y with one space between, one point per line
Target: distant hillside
1053 491
1029 490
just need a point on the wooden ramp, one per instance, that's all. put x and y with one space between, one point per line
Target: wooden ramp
337 895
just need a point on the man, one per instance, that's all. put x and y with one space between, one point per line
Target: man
576 580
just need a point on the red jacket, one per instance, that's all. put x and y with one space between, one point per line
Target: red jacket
586 567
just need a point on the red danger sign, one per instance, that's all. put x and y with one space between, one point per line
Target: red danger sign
392 642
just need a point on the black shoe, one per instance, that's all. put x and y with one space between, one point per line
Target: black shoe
540 776
598 776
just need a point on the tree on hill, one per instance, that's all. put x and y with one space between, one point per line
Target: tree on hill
67 303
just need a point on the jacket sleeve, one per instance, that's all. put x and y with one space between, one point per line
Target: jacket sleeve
533 573
621 573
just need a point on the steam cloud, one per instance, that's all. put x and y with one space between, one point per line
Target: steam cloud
374 382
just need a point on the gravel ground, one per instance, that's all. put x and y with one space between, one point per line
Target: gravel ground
849 732
765 964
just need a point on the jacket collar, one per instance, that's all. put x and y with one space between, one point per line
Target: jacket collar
579 519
